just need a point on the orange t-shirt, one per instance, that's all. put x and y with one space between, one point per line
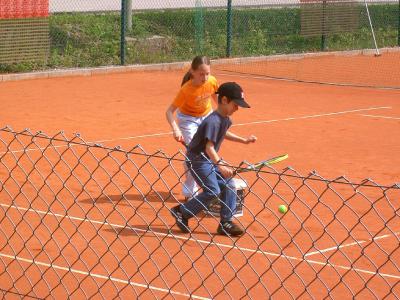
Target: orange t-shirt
196 100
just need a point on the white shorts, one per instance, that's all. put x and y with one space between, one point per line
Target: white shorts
189 125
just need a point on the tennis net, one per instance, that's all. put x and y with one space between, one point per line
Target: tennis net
342 68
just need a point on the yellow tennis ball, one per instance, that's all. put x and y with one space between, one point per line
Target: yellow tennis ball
282 209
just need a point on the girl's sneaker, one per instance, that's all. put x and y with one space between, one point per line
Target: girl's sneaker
182 222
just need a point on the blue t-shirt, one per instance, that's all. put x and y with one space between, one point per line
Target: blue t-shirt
213 129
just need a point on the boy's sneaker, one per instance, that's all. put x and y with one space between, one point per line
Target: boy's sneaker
230 229
182 222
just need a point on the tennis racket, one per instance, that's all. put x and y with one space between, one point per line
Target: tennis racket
258 166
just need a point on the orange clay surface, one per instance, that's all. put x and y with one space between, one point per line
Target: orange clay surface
333 130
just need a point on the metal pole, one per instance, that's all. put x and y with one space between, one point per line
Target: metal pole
199 27
323 36
372 29
123 31
229 29
129 15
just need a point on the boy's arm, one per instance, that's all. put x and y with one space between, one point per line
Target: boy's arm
235 138
225 170
171 120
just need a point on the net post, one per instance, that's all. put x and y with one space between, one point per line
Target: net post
372 29
229 29
123 32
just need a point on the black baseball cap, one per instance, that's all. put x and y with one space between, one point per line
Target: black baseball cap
233 92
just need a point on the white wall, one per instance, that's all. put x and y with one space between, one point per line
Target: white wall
107 5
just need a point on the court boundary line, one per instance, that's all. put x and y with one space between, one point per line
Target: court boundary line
315 115
381 117
357 242
234 125
334 248
243 249
99 276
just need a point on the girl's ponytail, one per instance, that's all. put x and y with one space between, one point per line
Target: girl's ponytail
186 77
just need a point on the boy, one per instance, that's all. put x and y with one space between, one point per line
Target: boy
209 171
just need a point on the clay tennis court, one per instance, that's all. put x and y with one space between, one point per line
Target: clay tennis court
89 237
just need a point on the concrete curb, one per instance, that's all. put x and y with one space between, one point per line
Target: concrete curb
177 65
93 71
298 56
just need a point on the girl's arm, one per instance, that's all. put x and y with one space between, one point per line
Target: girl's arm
235 138
225 170
171 120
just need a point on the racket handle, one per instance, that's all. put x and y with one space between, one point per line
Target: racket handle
184 144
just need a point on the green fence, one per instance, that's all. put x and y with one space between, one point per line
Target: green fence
82 36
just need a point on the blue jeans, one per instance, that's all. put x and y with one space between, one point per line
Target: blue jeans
214 186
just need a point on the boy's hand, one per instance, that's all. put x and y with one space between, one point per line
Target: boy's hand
225 171
251 139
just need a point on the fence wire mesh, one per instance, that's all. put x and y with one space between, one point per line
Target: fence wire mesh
82 220
88 33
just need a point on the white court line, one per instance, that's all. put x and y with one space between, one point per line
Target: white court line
234 125
382 117
185 238
379 237
315 116
68 269
335 248
92 143
136 137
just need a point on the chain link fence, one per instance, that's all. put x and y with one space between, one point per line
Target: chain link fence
88 33
79 219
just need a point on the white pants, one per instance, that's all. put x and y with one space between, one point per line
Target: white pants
188 126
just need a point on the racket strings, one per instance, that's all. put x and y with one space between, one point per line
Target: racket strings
258 166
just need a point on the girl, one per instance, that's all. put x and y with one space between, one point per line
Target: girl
192 105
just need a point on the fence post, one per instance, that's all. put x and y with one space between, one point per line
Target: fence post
229 29
129 15
323 36
199 27
398 28
123 31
